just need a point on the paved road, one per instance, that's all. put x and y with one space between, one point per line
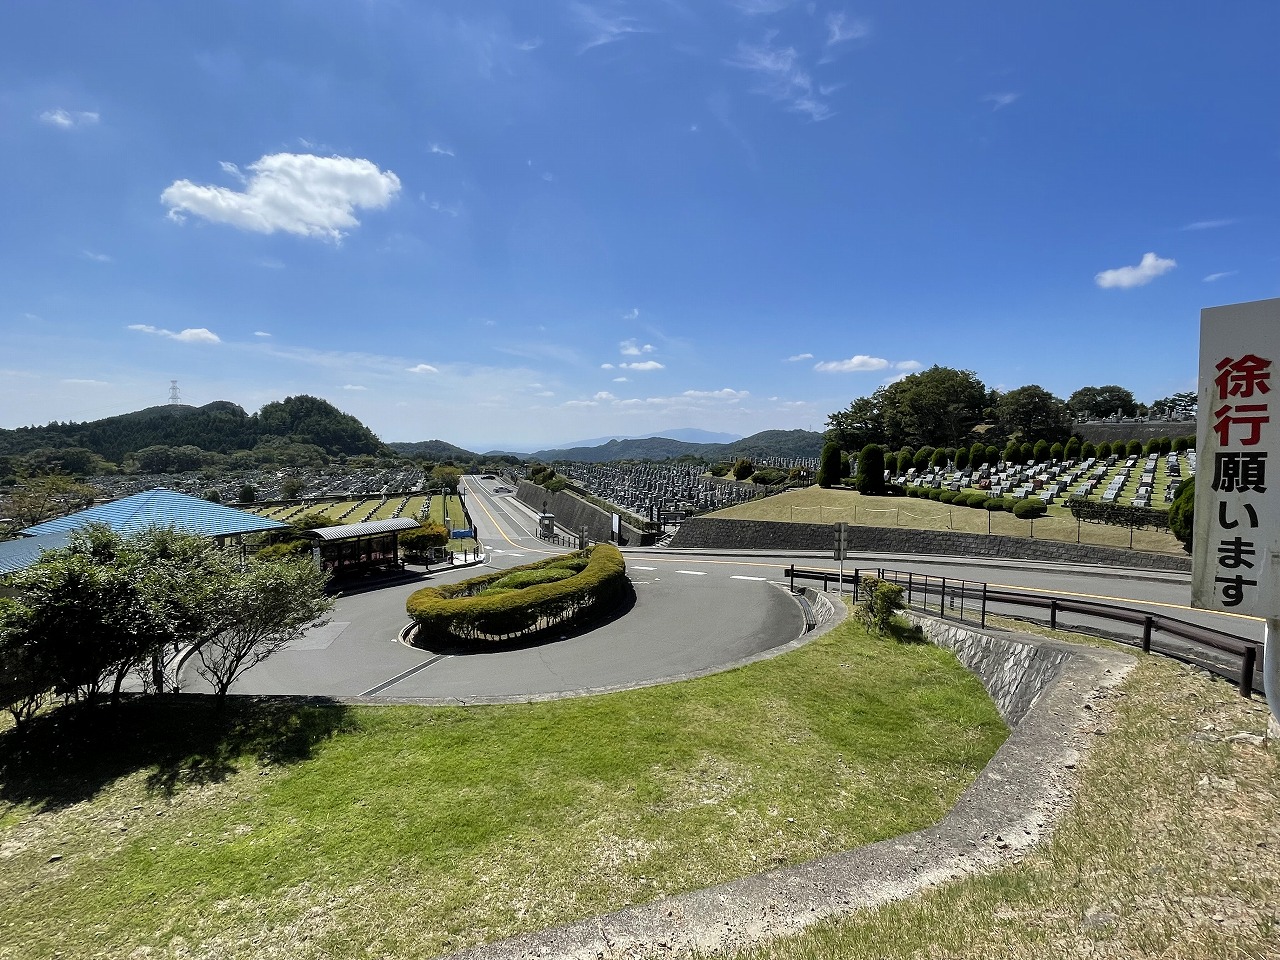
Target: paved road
693 612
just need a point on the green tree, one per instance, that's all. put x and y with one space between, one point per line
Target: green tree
248 493
962 458
1104 450
977 454
939 458
1088 450
870 477
1040 451
35 499
1032 413
1134 449
1072 450
829 465
1098 403
923 457
1180 406
291 487
447 477
743 468
268 605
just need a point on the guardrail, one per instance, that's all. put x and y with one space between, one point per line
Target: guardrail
1224 654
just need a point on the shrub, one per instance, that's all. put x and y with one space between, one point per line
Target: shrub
463 610
977 455
720 469
1104 450
947 496
1134 449
878 604
1057 452
934 493
520 579
829 465
1072 450
905 460
1011 451
997 503
1152 446
870 479
1026 452
1088 450
743 468
1179 444
1182 513
978 501
1030 509
962 458
992 455
1040 451
939 458
913 491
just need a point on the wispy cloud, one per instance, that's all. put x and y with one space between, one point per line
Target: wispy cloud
602 27
1000 100
423 368
292 192
1211 224
190 335
855 364
1218 276
642 365
353 386
781 77
69 119
1147 270
261 333
842 28
800 356
98 257
439 151
632 314
77 382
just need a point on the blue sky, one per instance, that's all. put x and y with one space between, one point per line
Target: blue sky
512 224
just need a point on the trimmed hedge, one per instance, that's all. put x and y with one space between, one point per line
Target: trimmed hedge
482 609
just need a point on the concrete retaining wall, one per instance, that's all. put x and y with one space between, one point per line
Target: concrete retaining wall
574 514
711 533
1014 671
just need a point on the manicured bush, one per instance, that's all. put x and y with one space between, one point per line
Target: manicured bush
913 491
935 493
1057 452
1000 503
939 458
1011 452
947 496
743 468
1179 444
520 579
870 478
1030 509
992 455
905 460
1166 445
1040 451
977 454
978 501
1104 450
1182 513
962 458
1026 452
465 611
1152 446
1072 450
829 465
1088 450
1134 449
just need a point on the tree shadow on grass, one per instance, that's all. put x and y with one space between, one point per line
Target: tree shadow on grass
71 753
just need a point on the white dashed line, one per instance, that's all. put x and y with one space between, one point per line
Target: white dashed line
756 579
644 568
692 573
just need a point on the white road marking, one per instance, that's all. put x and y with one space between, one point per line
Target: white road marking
756 579
692 573
644 568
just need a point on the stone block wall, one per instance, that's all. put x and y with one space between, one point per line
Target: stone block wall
575 513
712 533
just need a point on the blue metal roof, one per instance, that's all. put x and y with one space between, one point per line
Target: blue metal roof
19 554
347 531
162 508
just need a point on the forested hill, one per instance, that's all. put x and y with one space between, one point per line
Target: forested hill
432 450
769 443
218 427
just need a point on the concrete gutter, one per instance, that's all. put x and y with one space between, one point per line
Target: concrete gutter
1014 803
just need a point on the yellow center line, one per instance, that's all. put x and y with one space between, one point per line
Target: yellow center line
497 526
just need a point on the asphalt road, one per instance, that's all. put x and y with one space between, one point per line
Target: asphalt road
692 613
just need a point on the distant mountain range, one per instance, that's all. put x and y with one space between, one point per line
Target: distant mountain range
769 443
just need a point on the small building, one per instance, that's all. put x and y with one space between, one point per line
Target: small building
353 548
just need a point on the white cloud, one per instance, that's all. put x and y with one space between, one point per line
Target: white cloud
190 335
1211 278
452 209
1210 224
76 382
621 379
606 366
69 119
353 386
909 365
580 403
725 394
854 364
604 395
632 314
999 100
800 356
1146 271
98 257
423 368
295 192
642 365
781 77
631 348
261 333
841 28
439 151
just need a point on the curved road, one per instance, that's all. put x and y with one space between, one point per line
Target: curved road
694 612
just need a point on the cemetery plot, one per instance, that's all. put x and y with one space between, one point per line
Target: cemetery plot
661 493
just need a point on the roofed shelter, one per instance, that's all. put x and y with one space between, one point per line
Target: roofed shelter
359 547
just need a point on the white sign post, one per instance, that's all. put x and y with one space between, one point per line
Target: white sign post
1236 543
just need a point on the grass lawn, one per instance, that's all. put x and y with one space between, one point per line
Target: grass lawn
816 505
1170 850
315 830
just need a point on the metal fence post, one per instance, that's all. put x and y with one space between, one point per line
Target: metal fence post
1146 634
942 600
1246 672
983 615
1053 614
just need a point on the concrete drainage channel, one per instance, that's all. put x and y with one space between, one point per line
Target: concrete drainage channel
1042 688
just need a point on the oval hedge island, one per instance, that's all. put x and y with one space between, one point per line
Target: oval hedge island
522 601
